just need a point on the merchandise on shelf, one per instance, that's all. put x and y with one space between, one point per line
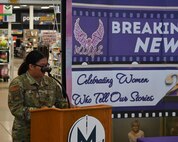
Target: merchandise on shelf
55 58
4 73
31 37
4 55
3 43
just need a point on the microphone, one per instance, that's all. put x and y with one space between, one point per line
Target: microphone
47 69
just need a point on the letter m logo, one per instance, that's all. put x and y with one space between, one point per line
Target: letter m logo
91 138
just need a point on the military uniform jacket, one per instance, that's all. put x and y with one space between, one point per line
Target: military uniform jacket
25 94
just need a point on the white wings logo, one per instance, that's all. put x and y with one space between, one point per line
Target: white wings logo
89 46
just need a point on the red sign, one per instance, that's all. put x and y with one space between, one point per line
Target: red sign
1 9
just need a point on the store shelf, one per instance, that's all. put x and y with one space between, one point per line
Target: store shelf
4 56
4 63
4 49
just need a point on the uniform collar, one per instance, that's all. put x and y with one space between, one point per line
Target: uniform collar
33 81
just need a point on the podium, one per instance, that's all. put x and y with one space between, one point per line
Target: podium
54 125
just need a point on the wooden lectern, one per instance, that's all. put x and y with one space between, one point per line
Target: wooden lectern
53 124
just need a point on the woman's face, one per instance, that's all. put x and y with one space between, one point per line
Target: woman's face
35 70
135 127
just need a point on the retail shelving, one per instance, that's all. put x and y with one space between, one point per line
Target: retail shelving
31 36
55 53
4 56
55 62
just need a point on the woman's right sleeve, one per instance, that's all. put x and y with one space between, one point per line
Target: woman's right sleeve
16 99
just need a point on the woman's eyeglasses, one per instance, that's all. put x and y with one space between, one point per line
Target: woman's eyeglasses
44 68
41 66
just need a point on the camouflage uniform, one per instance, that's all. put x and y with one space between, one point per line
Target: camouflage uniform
26 94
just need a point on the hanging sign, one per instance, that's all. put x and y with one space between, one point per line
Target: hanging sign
5 9
9 18
57 9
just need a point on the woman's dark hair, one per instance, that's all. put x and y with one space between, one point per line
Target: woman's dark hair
44 49
32 58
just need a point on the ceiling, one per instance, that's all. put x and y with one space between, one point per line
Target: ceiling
36 7
31 2
24 4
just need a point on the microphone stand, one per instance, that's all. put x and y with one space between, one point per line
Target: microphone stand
63 89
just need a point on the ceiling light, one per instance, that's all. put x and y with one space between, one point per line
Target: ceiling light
16 7
45 7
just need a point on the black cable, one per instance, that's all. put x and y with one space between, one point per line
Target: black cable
63 90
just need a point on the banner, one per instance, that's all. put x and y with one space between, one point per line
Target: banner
124 54
120 87
122 34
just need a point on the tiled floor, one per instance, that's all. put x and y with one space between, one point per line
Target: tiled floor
6 119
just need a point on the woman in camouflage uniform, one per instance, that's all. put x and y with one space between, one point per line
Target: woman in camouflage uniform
32 89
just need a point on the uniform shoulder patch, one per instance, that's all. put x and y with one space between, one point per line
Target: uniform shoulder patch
14 88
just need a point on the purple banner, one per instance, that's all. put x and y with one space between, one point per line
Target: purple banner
124 36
